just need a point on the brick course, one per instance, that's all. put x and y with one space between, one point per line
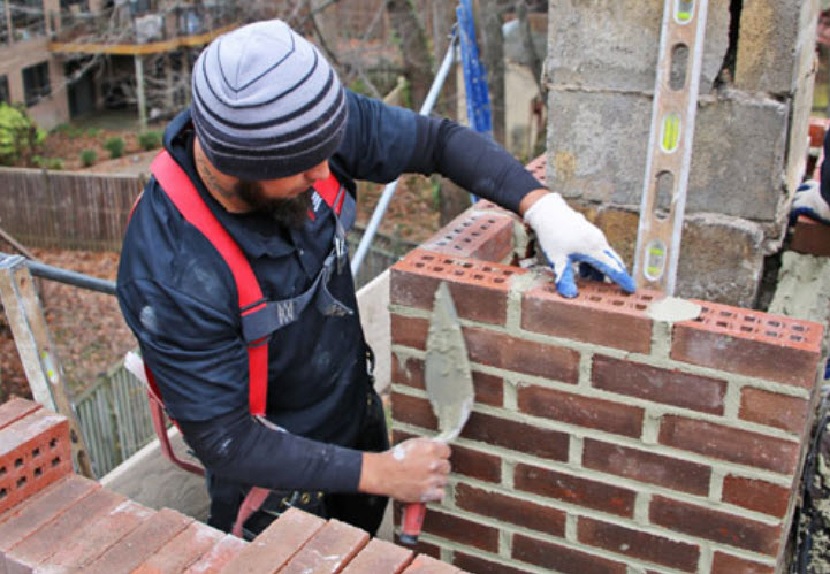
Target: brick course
603 439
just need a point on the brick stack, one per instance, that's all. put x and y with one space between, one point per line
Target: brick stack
52 520
603 440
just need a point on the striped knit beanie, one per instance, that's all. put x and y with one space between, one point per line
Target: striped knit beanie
266 103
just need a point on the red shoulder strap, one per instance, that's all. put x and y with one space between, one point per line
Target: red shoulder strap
175 182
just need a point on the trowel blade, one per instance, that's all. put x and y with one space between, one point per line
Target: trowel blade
449 379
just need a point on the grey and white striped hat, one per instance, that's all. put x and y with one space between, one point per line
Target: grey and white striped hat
266 103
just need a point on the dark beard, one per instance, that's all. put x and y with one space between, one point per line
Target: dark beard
291 212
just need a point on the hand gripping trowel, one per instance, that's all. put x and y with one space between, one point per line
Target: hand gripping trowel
449 384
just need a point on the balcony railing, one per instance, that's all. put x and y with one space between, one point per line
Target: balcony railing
137 23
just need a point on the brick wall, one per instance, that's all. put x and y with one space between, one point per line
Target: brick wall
56 521
603 440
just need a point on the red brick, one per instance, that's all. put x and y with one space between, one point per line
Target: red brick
481 565
639 545
816 129
502 351
475 464
109 527
275 546
34 453
27 518
600 315
481 235
586 412
409 371
331 548
479 290
715 525
775 410
87 514
137 546
409 331
750 343
728 564
460 530
757 495
520 437
574 490
182 550
426 565
15 409
729 443
810 237
664 386
413 410
222 553
378 557
510 509
562 559
645 466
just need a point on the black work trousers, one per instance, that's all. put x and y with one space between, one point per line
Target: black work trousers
360 510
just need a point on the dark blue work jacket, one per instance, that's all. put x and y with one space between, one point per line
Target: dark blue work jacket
178 295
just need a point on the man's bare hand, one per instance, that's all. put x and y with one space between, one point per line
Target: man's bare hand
415 470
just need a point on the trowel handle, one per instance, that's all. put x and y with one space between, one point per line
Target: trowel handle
413 519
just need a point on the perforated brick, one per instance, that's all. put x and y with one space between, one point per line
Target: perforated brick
277 544
756 344
427 565
39 546
215 560
182 550
602 314
24 519
16 409
479 289
482 235
34 453
137 546
332 547
380 556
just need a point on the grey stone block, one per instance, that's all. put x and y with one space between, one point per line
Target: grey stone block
613 45
598 144
721 260
738 157
776 44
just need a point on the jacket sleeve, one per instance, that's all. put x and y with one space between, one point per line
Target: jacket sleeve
383 142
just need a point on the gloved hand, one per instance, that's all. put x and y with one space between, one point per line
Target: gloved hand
808 201
566 237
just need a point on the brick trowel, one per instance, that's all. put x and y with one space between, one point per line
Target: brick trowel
449 386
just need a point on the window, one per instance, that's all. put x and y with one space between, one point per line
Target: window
4 89
28 20
36 85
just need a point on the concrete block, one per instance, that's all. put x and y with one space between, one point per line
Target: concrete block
721 260
598 145
776 44
608 45
731 173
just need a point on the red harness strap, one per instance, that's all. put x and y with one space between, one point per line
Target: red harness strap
178 186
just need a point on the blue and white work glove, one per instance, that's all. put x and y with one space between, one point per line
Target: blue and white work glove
808 201
566 237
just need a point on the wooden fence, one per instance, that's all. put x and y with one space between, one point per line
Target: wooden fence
48 209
